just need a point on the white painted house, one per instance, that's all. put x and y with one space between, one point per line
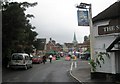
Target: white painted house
106 33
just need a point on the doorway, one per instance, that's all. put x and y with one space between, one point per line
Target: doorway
117 59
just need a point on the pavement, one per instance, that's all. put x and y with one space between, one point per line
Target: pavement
81 71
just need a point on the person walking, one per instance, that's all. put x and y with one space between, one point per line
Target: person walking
44 59
50 57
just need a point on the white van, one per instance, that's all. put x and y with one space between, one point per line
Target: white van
20 60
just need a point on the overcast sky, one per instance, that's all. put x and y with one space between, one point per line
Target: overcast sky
57 19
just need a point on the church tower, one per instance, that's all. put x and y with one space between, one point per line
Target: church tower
74 40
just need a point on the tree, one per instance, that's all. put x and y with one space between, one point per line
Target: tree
85 38
17 32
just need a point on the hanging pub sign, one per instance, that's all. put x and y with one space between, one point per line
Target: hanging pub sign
82 17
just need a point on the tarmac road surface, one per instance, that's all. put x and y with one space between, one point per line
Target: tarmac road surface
57 71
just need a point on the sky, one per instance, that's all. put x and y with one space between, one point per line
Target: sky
57 19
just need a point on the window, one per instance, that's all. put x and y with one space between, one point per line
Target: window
27 57
17 57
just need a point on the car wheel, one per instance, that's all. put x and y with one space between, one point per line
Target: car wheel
26 67
31 66
39 62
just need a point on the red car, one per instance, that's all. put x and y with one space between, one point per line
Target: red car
37 59
53 58
67 58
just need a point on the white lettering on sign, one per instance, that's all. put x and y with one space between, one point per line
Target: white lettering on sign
108 29
111 28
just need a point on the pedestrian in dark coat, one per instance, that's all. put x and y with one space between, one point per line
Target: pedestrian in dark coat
44 59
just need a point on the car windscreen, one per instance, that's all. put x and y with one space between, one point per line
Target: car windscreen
35 56
17 57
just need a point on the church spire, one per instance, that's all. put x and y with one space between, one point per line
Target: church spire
74 39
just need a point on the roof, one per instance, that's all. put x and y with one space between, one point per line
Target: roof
112 11
87 42
41 43
112 44
69 45
19 54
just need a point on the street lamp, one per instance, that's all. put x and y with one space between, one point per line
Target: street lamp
88 6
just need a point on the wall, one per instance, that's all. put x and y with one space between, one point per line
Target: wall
101 43
117 61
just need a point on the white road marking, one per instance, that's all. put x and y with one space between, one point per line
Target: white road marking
75 64
71 66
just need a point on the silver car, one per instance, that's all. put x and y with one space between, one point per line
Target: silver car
20 60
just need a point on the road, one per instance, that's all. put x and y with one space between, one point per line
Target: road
57 71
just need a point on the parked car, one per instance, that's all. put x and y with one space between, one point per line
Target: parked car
53 58
20 60
37 59
67 58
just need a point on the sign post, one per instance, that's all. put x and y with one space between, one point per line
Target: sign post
88 6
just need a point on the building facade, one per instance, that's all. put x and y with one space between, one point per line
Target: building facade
53 46
75 46
40 45
106 33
